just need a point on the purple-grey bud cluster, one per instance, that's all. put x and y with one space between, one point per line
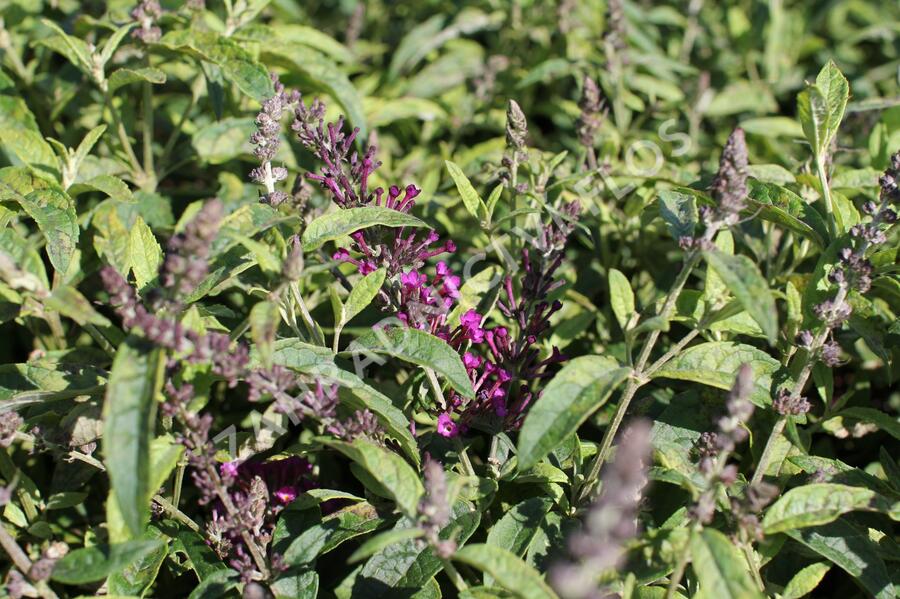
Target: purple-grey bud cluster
729 188
292 267
434 508
714 448
245 498
731 426
592 107
213 348
299 402
9 424
145 14
267 139
615 38
611 521
789 404
517 149
746 509
187 254
42 568
854 271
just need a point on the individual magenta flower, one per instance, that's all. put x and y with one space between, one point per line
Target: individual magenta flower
445 425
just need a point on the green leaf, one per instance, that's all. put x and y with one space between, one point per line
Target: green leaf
362 294
21 139
338 223
805 581
851 550
112 42
716 364
91 564
515 530
417 347
679 210
76 50
319 361
720 568
219 141
145 254
393 474
383 540
136 577
122 77
621 297
743 279
814 504
821 107
264 321
582 386
69 302
784 207
345 524
129 421
507 569
404 568
472 201
54 213
237 64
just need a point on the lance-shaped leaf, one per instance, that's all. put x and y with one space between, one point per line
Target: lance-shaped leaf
417 347
507 569
237 64
395 477
716 364
54 213
851 550
582 386
743 279
722 572
815 504
679 210
621 297
343 222
820 107
91 564
471 200
129 421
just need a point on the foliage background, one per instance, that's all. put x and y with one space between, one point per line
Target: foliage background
429 82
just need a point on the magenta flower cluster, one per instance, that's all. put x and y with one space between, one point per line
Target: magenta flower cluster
505 367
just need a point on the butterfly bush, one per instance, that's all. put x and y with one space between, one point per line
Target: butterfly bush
545 300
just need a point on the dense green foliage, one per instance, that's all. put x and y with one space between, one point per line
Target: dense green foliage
627 325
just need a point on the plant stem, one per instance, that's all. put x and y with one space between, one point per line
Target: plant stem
176 513
12 549
637 380
137 172
832 217
147 133
754 568
454 575
435 387
805 372
680 567
464 457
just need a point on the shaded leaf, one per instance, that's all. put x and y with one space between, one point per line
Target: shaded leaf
583 385
339 223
